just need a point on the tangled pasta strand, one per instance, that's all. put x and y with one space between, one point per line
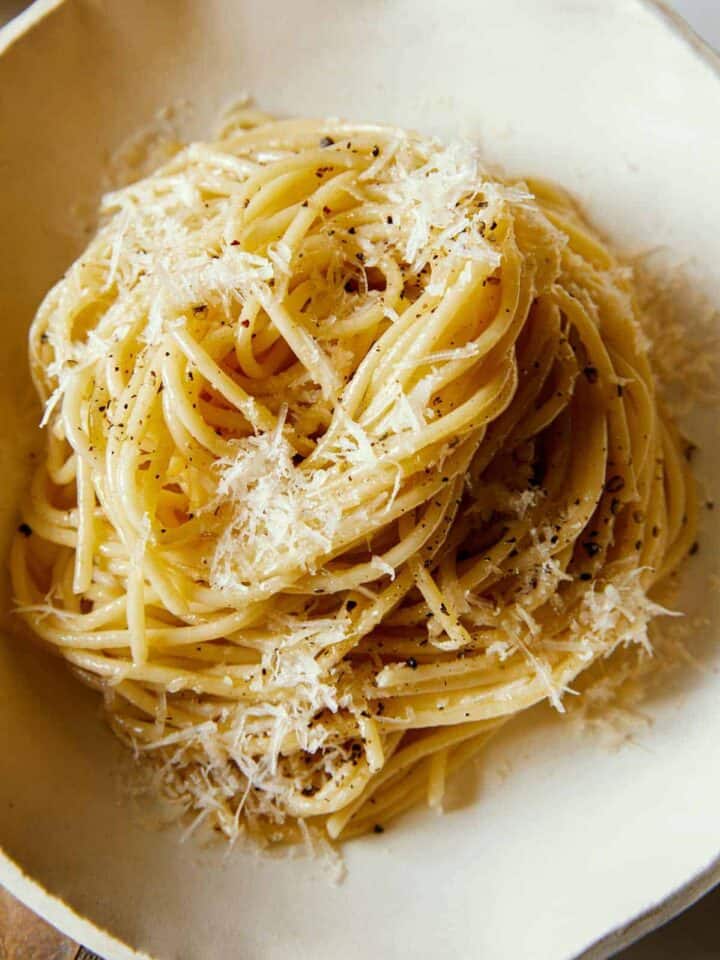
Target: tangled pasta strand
353 452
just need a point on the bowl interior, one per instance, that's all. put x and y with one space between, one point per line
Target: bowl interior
553 841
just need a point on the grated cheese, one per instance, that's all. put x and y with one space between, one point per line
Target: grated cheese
272 512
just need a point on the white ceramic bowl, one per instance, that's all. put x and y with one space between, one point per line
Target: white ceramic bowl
565 844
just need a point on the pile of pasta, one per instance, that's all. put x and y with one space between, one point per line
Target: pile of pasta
352 453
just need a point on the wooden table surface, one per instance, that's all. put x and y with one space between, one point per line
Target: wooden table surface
24 936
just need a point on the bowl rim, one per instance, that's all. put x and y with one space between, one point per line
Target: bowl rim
58 913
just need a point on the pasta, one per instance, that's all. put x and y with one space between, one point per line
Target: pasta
353 452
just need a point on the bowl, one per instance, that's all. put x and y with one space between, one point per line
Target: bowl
555 846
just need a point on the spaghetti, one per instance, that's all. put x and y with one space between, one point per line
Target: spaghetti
353 452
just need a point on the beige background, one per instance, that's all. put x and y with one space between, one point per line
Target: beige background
693 936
